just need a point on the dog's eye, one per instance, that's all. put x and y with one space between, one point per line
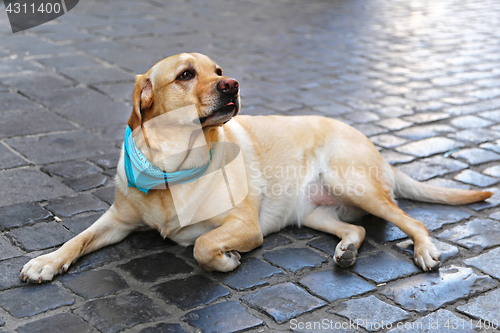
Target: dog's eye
218 71
186 75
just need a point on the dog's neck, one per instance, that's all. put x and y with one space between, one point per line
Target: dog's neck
179 149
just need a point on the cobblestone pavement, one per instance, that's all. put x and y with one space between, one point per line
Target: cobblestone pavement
420 78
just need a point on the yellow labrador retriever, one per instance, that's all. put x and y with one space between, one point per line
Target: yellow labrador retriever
352 177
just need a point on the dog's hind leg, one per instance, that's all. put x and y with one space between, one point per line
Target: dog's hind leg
108 229
325 218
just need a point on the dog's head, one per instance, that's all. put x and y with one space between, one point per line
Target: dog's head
183 80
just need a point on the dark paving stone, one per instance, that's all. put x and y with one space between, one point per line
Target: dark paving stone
21 44
21 214
70 61
78 224
274 240
98 258
28 185
335 284
155 266
16 123
148 240
429 146
9 272
488 262
164 328
30 300
71 169
190 292
251 273
427 292
293 259
470 122
113 314
387 140
430 167
17 65
86 182
476 136
225 317
476 155
60 147
483 307
440 321
91 284
7 251
368 313
476 235
106 161
69 206
10 160
43 81
382 267
106 194
434 216
121 91
392 157
475 178
380 230
39 236
283 302
328 243
319 322
301 233
59 323
96 74
425 131
447 251
492 201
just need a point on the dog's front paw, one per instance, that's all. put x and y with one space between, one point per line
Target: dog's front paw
345 256
427 256
43 268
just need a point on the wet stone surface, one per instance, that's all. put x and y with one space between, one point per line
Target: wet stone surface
382 267
91 284
476 235
293 259
335 284
488 262
439 321
427 94
251 273
367 311
33 299
190 292
427 292
283 302
155 266
222 317
483 307
21 214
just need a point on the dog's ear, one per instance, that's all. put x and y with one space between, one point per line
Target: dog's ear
143 99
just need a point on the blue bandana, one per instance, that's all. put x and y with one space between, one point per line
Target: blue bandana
141 173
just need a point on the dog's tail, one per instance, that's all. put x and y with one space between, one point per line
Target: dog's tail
409 188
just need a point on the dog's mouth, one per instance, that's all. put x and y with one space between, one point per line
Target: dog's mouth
221 115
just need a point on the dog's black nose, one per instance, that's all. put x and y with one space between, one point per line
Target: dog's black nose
228 86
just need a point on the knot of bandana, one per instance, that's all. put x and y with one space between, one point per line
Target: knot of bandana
141 173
